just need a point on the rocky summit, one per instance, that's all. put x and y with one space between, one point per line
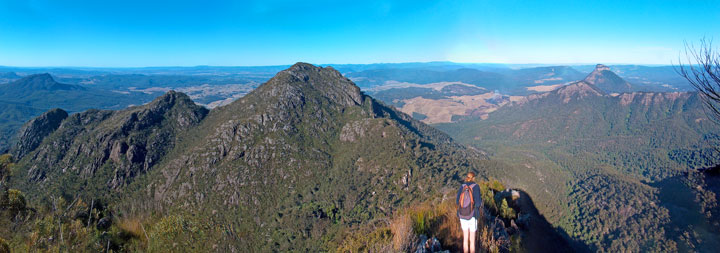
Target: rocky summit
608 81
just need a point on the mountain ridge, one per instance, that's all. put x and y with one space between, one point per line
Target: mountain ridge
328 155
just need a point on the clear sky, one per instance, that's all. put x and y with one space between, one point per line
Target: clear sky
110 33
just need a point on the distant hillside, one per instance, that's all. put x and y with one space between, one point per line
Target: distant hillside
6 77
23 99
288 167
605 165
514 81
376 77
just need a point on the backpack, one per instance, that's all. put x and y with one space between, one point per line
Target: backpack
466 207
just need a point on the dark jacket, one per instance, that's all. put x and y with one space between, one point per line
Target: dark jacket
476 198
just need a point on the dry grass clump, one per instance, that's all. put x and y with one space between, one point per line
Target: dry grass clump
432 219
133 227
402 229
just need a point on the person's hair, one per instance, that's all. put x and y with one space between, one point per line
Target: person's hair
470 176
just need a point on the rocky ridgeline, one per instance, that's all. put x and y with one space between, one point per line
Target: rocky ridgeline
124 143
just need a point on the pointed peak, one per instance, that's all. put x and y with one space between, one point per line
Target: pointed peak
172 98
606 80
38 77
303 77
302 69
577 90
581 86
299 66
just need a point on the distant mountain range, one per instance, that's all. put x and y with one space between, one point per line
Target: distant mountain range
116 88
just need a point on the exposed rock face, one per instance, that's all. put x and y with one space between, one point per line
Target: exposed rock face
33 132
652 98
122 144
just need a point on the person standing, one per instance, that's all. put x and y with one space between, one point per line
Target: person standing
468 202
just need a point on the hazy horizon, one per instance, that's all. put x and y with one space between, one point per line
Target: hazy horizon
339 64
270 33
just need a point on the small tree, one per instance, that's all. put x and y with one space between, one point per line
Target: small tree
16 201
506 211
4 247
488 197
6 166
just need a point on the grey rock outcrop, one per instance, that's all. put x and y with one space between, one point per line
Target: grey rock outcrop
34 131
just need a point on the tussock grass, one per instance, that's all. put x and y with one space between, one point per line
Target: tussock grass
133 227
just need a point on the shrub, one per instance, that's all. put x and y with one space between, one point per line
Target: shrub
506 211
496 185
379 240
6 167
16 201
4 247
177 232
488 196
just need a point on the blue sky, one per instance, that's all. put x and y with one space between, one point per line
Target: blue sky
129 33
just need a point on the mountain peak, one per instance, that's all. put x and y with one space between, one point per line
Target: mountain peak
578 89
175 105
38 78
303 79
601 67
606 80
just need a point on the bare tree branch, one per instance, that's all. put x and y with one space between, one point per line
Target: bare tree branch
702 70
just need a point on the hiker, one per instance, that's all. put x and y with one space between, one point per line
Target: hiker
469 202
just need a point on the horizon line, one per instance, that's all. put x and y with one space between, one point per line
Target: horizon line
332 64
